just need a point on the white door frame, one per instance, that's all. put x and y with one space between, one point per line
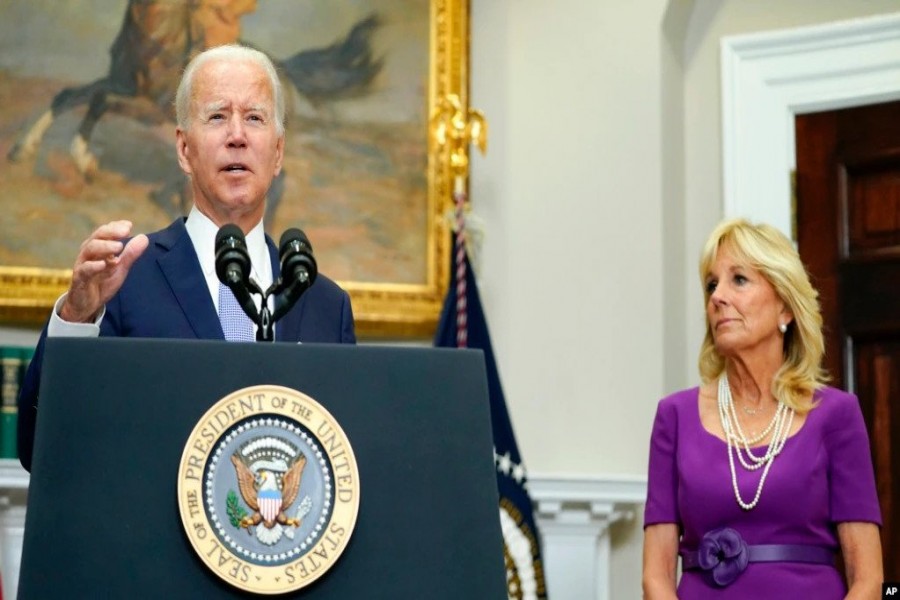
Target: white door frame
768 78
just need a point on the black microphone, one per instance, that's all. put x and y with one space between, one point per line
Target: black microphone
233 267
298 270
298 265
232 258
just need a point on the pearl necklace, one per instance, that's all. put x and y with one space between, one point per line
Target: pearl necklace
779 427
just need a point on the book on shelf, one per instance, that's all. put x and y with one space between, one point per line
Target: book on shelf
13 364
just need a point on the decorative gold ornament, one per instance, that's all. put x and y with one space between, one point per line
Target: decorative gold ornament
455 126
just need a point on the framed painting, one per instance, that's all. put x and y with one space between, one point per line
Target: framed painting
87 136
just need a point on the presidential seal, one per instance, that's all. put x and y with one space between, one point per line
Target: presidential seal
268 489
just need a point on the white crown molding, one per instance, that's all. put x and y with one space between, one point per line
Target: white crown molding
768 78
581 490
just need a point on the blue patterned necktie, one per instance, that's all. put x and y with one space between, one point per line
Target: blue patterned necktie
236 325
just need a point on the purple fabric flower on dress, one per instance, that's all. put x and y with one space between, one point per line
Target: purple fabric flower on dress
723 554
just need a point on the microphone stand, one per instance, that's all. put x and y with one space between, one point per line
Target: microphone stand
285 296
264 329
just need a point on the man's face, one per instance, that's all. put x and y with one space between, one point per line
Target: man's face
231 149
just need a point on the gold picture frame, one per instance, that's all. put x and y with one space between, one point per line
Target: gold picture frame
381 309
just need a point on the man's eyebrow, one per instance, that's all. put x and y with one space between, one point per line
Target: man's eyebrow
214 106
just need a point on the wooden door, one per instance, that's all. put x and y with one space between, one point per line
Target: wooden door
848 234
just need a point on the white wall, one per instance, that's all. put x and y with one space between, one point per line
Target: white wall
570 192
571 270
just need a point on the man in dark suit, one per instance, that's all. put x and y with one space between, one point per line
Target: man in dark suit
230 142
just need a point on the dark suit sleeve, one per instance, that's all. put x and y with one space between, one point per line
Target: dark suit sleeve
348 330
27 403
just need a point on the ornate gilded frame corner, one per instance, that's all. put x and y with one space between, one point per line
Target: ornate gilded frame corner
403 311
28 293
381 310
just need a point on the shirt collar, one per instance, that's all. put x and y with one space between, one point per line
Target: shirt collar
202 232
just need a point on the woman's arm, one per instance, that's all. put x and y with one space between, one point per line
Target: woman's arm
861 547
660 561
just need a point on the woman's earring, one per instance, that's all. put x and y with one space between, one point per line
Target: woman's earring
782 327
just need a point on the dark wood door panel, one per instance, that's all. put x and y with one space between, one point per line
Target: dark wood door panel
870 297
869 194
848 235
878 376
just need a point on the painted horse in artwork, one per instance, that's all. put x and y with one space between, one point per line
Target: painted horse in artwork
157 40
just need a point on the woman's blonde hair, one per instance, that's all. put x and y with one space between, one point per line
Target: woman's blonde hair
765 249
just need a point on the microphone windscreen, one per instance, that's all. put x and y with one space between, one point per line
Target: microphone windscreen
229 230
289 237
232 258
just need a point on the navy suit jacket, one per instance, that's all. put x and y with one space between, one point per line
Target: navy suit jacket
165 295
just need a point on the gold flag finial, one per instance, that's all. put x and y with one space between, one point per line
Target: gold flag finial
453 128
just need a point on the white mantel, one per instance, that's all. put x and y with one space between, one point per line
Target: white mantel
574 515
13 497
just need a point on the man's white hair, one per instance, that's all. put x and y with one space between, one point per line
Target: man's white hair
229 52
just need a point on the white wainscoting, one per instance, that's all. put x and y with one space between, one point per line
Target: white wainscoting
13 496
574 515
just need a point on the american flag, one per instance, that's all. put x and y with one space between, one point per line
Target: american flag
523 580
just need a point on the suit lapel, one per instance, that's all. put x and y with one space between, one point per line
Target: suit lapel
181 269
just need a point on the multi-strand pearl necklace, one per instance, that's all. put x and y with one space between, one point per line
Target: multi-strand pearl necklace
779 427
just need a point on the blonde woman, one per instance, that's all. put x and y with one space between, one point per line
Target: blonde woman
761 474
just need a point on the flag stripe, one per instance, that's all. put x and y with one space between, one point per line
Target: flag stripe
462 329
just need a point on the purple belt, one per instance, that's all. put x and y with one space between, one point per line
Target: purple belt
723 555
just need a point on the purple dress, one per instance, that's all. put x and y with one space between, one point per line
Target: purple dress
822 477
